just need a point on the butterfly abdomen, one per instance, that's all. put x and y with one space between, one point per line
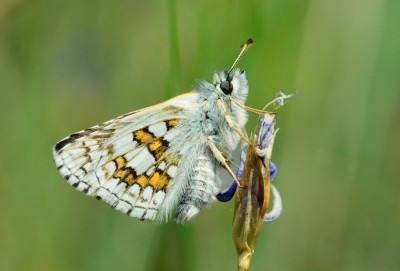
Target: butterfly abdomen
201 190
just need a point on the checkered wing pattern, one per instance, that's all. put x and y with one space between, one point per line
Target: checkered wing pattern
126 161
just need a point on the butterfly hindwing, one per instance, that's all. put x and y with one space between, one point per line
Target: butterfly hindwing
127 161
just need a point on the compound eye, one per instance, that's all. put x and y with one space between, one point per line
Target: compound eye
226 87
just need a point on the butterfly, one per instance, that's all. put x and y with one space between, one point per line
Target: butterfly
161 159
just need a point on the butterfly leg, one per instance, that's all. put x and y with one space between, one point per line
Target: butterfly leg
218 155
254 110
230 121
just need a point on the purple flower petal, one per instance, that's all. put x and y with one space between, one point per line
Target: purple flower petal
228 194
273 171
267 131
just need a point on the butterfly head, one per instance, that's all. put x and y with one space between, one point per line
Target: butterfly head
231 84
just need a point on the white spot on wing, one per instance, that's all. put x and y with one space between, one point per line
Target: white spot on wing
64 171
162 165
91 142
142 162
172 135
134 190
157 200
92 181
82 186
150 214
145 197
73 153
71 161
111 184
124 145
158 129
72 179
129 155
131 194
105 195
123 206
120 189
172 171
137 212
110 168
150 171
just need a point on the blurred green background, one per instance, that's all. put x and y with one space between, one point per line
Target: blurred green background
67 65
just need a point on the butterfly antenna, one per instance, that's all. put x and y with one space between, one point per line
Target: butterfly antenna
245 47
